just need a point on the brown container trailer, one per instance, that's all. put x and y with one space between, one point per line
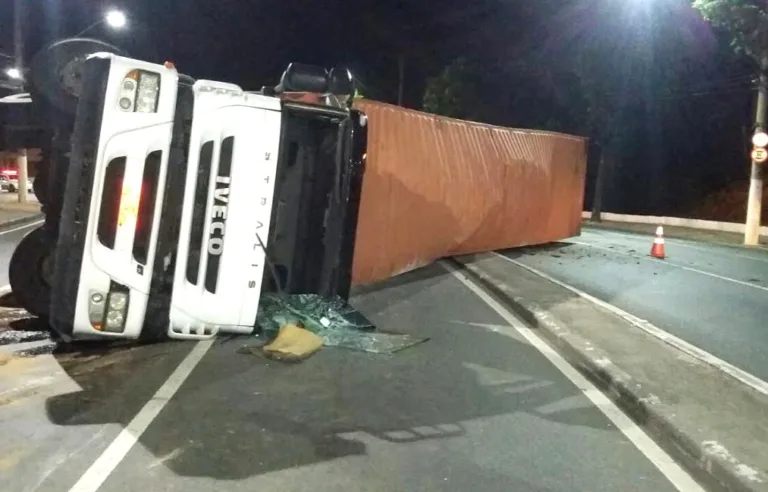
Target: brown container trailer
437 187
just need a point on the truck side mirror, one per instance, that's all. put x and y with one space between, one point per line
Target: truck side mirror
341 83
299 77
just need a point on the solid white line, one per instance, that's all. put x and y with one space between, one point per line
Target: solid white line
750 380
25 226
669 263
95 476
21 346
666 465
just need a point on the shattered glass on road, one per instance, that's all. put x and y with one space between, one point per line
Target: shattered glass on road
338 323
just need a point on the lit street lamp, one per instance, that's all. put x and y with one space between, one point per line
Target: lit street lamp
13 73
114 18
760 139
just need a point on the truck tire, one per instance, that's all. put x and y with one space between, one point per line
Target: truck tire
11 189
29 272
40 184
55 71
40 187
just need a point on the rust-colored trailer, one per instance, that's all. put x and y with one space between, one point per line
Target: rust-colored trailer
437 186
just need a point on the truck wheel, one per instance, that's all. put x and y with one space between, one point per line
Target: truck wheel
40 186
11 189
30 272
55 71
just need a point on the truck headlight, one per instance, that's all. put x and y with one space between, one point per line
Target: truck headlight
148 92
107 312
117 301
139 92
117 305
115 320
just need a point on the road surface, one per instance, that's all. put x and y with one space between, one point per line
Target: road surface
477 407
712 296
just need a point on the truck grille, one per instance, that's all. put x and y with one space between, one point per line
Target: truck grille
220 197
109 210
199 211
146 213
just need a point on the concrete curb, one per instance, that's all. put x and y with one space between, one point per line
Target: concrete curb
709 467
675 232
21 221
705 225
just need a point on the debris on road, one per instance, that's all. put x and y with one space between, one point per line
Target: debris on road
293 344
285 319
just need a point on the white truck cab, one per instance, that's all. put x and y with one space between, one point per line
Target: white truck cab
177 194
232 165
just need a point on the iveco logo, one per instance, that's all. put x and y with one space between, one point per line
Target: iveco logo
218 215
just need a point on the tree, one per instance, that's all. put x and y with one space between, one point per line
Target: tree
450 93
746 21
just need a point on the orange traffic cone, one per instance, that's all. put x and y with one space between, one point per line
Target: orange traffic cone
657 251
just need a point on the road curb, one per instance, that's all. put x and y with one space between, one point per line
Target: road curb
706 464
671 232
21 221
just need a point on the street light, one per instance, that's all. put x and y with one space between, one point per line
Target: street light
114 18
13 73
760 139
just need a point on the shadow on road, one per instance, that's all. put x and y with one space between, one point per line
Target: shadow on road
239 416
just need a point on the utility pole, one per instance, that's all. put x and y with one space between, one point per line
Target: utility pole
597 200
401 78
755 200
18 42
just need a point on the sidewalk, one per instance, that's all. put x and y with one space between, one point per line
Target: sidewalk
715 237
14 214
714 425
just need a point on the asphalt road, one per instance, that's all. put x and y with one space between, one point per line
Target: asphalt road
712 296
477 407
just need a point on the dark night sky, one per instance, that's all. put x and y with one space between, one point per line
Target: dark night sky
251 42
684 98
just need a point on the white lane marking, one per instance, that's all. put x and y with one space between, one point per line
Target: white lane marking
666 465
749 379
715 249
669 263
21 346
25 226
105 464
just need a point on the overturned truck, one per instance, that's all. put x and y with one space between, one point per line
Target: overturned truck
172 204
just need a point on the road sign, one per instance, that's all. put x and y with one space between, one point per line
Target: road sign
760 139
759 155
